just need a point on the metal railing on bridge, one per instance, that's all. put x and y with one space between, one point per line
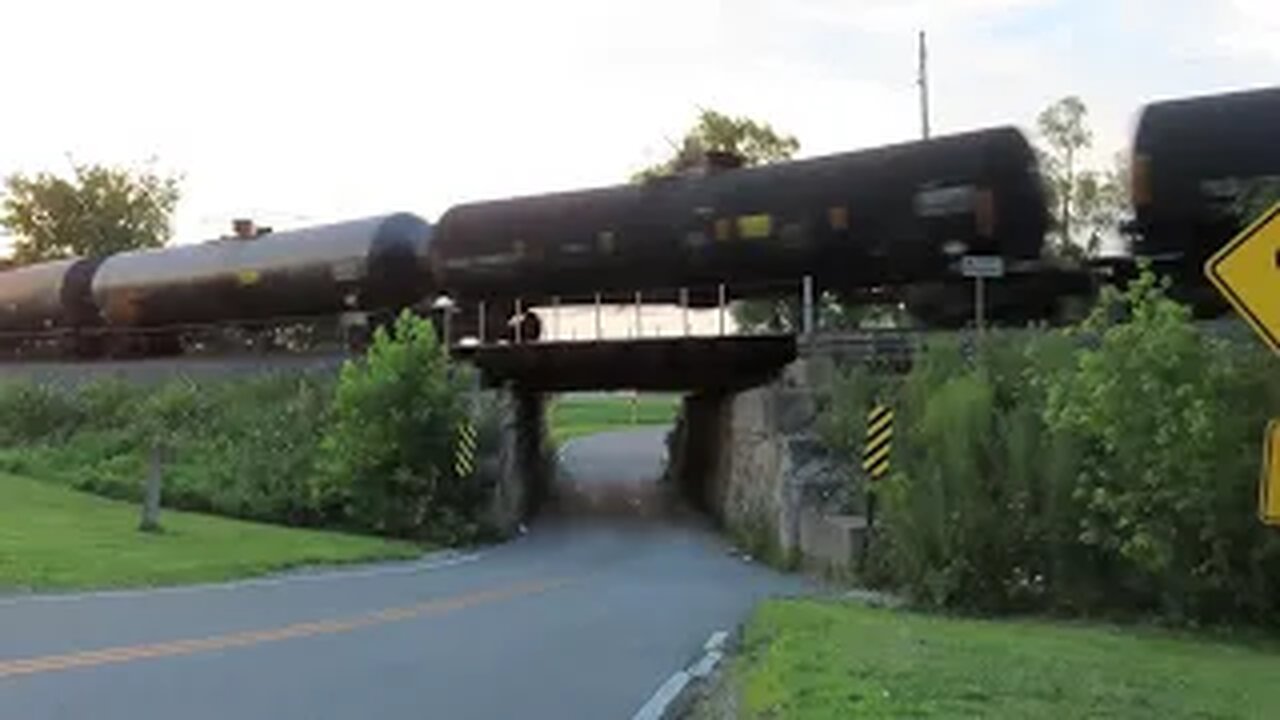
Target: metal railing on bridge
798 308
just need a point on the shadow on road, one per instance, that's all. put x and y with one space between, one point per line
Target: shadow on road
616 476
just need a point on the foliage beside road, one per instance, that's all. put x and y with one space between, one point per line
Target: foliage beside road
1109 468
818 660
386 460
53 537
371 452
574 416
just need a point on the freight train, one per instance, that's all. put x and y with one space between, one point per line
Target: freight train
890 222
160 301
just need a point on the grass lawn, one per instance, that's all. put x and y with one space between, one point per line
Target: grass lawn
573 416
812 659
54 537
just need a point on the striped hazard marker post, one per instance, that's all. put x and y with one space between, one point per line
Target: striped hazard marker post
875 460
464 457
875 452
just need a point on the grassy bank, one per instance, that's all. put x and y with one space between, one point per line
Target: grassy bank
52 538
814 660
574 416
244 447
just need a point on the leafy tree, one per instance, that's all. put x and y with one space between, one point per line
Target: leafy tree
99 211
1085 204
1100 201
1062 125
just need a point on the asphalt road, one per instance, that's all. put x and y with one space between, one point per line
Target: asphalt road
584 617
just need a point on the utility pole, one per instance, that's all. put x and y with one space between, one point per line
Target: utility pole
922 79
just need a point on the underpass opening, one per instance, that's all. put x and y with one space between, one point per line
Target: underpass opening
553 469
612 451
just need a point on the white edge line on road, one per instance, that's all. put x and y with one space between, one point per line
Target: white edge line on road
661 701
656 708
383 570
716 641
707 664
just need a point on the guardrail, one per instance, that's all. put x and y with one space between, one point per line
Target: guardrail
692 311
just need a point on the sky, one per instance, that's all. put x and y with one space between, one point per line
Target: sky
296 113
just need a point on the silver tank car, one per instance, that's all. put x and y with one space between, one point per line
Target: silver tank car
46 296
361 265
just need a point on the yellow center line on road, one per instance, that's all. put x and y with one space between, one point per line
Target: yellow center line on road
190 646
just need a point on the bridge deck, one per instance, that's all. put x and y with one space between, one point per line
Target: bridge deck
660 364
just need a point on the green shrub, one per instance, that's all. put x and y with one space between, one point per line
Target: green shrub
370 452
388 454
963 512
33 412
1167 422
244 447
1111 467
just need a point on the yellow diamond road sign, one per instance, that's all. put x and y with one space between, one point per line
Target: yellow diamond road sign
1247 271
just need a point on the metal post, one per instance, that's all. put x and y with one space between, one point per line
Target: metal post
979 296
684 309
555 317
721 300
639 322
480 321
599 327
807 303
519 329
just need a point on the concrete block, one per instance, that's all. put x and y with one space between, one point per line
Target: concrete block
832 540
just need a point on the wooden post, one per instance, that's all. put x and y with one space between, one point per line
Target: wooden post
151 494
979 304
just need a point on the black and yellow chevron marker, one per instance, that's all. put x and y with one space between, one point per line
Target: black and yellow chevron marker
464 458
875 453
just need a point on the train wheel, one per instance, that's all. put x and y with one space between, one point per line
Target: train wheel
939 305
87 347
165 344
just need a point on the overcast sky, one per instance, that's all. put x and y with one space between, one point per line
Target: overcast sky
301 112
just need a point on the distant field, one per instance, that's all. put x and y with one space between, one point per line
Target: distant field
822 660
52 537
576 415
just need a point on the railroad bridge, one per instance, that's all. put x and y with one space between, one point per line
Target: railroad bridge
744 448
